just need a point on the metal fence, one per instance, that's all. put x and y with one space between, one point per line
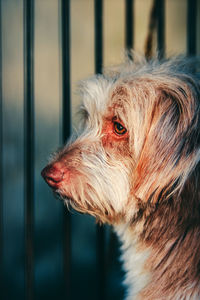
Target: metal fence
65 289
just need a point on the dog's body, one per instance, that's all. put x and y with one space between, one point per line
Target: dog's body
135 166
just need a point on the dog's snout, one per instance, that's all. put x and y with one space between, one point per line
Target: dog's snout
53 175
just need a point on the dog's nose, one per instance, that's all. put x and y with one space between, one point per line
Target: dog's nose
53 175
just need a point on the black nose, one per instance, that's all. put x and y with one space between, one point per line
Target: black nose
52 175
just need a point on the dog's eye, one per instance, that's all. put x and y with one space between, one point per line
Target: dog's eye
119 128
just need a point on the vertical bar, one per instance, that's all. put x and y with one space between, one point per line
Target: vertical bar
66 130
160 8
98 35
1 163
191 26
29 145
98 13
129 25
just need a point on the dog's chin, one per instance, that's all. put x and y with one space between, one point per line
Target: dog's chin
72 205
61 196
101 216
67 200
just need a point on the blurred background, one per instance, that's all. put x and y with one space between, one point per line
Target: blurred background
47 274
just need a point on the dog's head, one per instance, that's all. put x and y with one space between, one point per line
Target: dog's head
139 144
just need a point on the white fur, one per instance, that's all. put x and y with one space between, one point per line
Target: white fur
134 260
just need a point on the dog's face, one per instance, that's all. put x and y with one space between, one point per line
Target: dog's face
132 151
93 172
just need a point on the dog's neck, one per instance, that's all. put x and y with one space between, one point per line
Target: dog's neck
134 260
161 252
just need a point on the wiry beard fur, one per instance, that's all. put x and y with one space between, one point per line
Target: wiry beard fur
93 173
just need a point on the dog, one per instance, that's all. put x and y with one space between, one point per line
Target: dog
135 165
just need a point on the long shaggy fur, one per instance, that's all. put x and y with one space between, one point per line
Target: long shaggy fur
145 181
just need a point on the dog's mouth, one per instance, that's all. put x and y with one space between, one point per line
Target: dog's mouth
52 183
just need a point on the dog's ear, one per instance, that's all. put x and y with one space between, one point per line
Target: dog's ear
171 147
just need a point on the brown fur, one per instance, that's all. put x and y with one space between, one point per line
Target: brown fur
145 179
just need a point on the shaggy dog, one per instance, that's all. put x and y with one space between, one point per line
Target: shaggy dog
136 166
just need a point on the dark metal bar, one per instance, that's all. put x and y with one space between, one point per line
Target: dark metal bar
160 8
98 35
1 162
29 145
66 69
101 267
129 25
101 280
191 26
66 130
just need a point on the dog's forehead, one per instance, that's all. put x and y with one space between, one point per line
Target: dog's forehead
102 94
95 93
